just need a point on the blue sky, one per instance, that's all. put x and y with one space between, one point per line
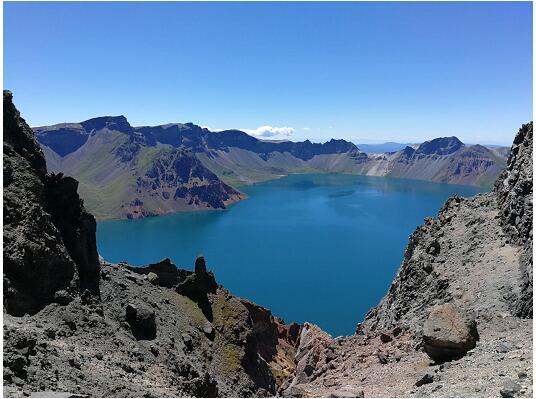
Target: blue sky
360 71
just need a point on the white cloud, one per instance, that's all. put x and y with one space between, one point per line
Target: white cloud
307 128
270 131
211 129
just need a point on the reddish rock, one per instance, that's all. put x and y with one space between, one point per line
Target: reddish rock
448 334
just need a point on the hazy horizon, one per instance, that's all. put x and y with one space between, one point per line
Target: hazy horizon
365 72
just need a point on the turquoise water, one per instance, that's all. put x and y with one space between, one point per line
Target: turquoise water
320 248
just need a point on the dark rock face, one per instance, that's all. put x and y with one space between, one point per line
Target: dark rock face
514 194
118 123
77 227
19 136
63 140
168 274
44 251
142 321
180 175
447 334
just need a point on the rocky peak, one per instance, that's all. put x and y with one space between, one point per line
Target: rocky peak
408 151
440 146
117 123
339 146
231 138
20 137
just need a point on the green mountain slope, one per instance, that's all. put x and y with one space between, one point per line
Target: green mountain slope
129 172
121 177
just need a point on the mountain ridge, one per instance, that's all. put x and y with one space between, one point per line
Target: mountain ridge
235 158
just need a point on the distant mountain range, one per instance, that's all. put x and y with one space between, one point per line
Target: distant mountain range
132 172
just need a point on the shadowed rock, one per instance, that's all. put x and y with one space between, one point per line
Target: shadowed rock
197 286
168 274
49 239
142 321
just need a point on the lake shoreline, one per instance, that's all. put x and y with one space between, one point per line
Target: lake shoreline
291 234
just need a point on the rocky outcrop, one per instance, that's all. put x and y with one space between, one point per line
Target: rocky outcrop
77 227
310 357
167 273
514 194
49 240
74 328
418 285
448 334
137 340
276 341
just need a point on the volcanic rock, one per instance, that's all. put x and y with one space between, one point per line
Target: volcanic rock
153 278
425 379
49 239
142 321
514 189
448 334
510 389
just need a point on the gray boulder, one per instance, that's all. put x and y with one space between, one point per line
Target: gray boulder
510 389
153 278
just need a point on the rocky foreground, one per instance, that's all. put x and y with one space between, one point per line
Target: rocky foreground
457 320
77 325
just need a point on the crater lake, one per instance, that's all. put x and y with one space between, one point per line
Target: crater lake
321 248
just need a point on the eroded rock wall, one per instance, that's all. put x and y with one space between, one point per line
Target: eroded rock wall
514 189
49 241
